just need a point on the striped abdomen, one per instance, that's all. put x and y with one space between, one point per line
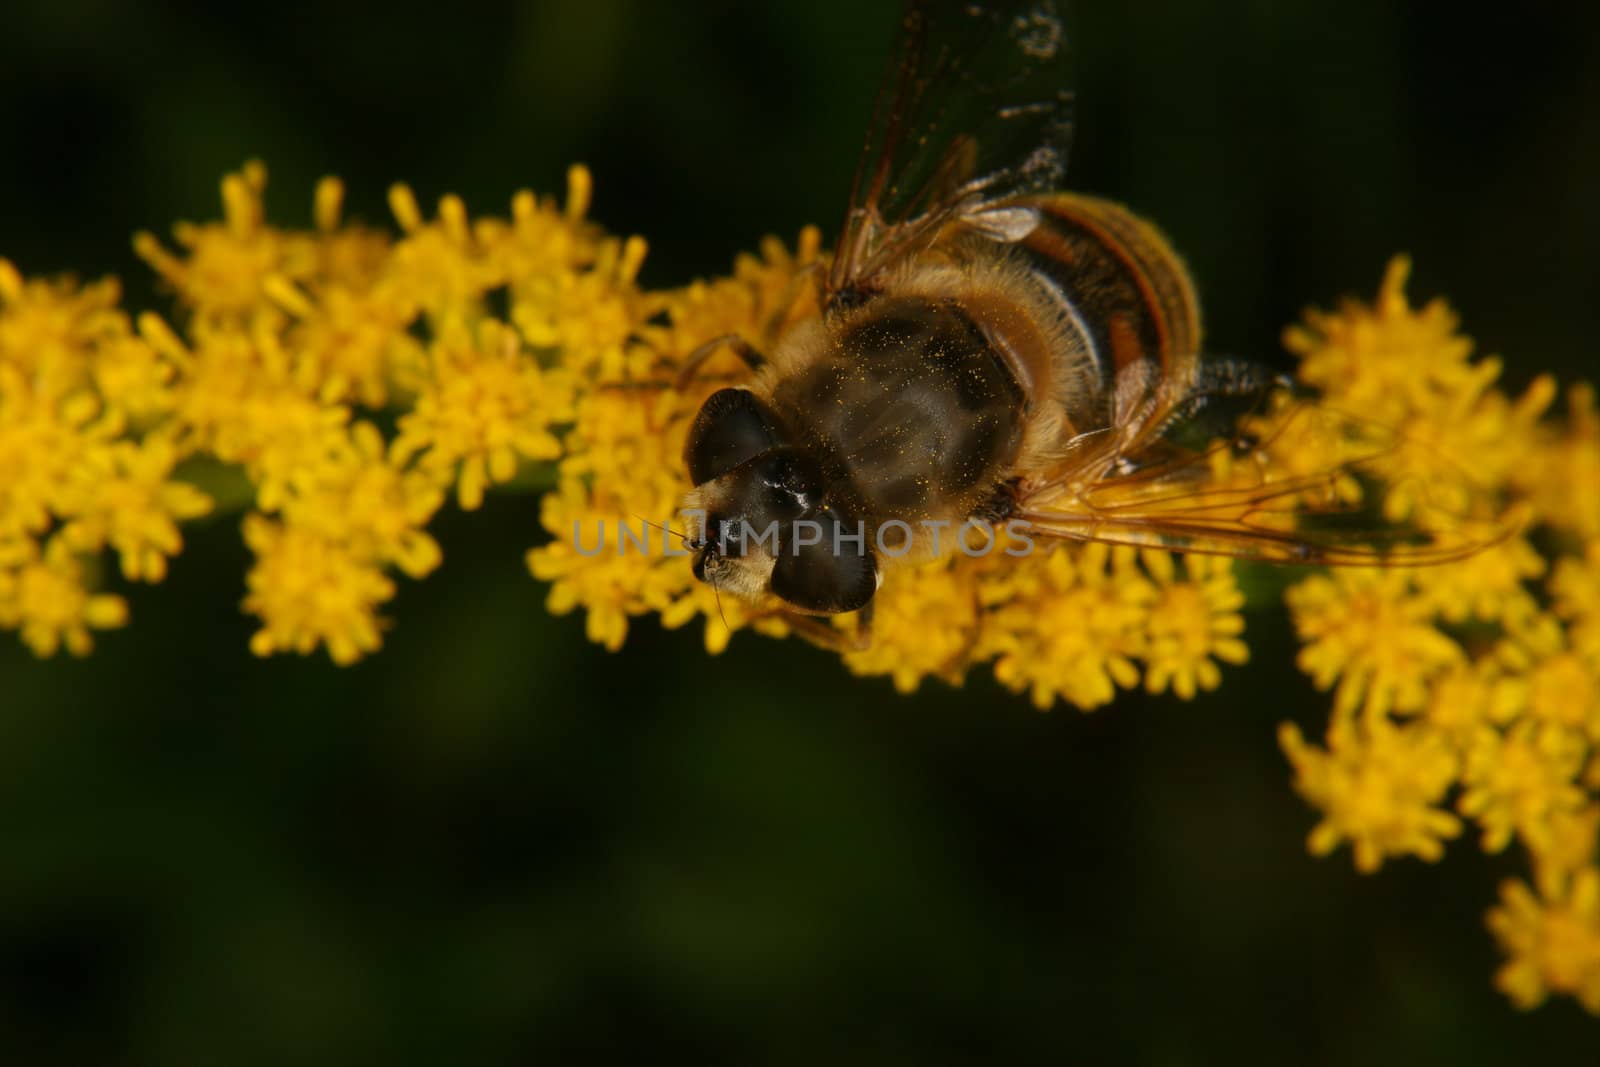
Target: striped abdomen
1125 291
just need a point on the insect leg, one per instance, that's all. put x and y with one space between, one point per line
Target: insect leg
863 640
1229 380
817 632
694 360
1239 377
828 638
811 275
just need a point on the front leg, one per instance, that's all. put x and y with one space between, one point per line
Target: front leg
694 360
817 631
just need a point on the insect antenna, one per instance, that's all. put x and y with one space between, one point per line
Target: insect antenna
716 594
683 538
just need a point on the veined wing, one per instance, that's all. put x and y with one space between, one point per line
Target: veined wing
1301 484
974 109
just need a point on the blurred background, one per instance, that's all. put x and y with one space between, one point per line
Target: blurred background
494 841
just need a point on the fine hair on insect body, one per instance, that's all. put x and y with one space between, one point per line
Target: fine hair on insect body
990 348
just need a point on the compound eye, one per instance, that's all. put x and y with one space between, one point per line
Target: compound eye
835 575
732 427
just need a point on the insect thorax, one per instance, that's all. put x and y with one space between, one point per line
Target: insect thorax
911 405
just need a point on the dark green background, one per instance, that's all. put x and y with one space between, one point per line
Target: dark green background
495 842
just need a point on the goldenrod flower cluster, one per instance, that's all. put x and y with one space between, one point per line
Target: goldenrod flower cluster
355 379
1468 693
290 349
86 459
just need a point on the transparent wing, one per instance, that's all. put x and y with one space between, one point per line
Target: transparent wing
974 109
1299 484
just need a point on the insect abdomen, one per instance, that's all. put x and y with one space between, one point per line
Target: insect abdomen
1131 293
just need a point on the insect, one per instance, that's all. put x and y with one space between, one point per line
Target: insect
991 349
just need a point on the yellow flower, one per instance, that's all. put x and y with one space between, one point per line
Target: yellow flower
1574 588
765 295
349 256
724 616
349 345
485 405
370 502
349 379
1508 692
308 590
52 331
1192 620
627 444
62 339
1486 587
237 401
1076 634
925 622
1560 477
606 561
1426 471
1575 585
1369 631
1560 689
542 239
130 502
589 317
623 462
1377 787
133 378
45 598
1468 697
438 266
228 264
1302 440
42 441
1386 360
1553 942
1515 782
1569 845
